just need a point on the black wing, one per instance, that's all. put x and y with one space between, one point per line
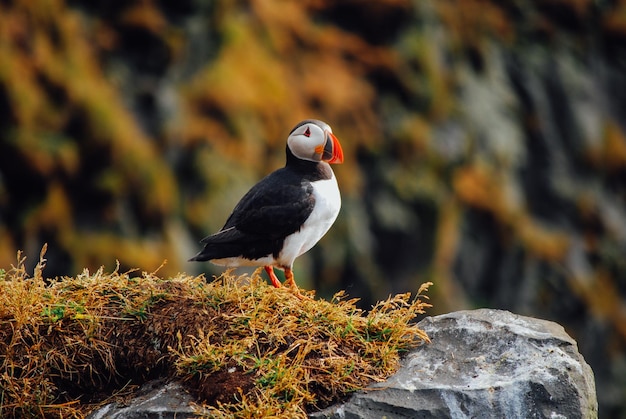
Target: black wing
274 208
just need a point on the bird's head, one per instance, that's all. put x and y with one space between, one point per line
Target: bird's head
313 140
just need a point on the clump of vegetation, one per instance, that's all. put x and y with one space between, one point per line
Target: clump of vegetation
245 348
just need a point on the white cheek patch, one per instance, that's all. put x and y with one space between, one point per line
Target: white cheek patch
303 148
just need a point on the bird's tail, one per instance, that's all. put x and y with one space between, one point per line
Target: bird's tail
197 258
215 251
201 257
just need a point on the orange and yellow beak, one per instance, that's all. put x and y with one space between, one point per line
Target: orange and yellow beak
332 152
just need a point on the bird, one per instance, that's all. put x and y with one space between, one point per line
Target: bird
287 212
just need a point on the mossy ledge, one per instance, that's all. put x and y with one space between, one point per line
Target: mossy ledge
245 349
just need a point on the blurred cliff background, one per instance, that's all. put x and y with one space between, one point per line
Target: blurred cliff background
485 145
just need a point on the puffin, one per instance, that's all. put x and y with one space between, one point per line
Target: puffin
286 213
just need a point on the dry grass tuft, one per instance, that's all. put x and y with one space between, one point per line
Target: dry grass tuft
244 348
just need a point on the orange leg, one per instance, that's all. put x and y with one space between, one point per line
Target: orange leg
272 275
289 278
291 283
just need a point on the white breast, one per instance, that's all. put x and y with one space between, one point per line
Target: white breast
324 214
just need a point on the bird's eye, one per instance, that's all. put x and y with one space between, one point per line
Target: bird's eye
307 133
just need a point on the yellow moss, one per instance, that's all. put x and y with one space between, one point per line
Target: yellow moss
480 186
294 347
54 212
145 15
448 295
470 20
601 297
549 244
614 152
56 89
615 21
263 76
67 336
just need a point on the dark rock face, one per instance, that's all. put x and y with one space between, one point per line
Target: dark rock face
483 363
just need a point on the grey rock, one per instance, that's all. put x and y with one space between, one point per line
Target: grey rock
483 363
154 401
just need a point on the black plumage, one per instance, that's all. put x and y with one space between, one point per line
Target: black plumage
273 209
